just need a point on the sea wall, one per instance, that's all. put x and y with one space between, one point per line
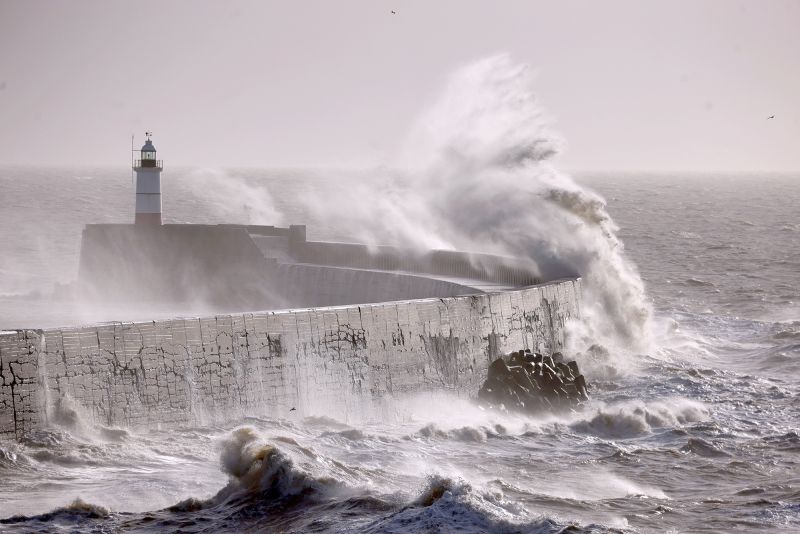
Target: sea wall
499 269
219 265
306 286
189 370
236 267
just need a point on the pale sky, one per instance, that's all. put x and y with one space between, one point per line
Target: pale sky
630 84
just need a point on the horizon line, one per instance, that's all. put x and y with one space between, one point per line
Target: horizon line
353 168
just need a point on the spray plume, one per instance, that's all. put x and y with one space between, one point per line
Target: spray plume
233 199
482 182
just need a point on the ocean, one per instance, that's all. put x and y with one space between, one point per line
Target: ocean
698 432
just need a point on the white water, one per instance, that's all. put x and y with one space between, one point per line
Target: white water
478 177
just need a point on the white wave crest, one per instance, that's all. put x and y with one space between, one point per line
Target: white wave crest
478 178
256 467
447 504
636 418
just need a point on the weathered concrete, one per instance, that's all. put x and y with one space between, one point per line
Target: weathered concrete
215 264
231 267
185 370
311 286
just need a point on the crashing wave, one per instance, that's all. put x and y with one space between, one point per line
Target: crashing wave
448 505
465 433
76 511
479 178
638 419
258 469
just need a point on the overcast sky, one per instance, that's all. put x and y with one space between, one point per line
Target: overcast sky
631 85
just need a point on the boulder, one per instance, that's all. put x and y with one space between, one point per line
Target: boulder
531 383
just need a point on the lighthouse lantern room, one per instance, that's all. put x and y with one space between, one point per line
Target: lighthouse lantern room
148 185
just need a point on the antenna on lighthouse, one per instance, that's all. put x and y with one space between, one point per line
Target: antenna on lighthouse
133 158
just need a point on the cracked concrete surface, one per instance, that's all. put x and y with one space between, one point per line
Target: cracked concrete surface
195 370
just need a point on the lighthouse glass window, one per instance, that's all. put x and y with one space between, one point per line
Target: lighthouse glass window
148 155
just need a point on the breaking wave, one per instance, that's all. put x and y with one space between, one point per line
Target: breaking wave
448 505
639 418
478 178
466 433
74 512
259 470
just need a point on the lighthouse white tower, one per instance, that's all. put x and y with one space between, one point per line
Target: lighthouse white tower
148 185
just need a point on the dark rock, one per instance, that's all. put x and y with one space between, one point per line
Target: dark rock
565 370
573 366
498 369
580 383
531 383
535 357
516 358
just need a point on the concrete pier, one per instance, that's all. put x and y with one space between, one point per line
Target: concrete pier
188 370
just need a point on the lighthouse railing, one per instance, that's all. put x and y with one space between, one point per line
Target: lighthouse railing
148 164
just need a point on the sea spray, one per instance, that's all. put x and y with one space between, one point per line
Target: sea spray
637 418
259 469
233 199
478 178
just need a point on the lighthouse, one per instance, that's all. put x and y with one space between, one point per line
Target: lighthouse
148 185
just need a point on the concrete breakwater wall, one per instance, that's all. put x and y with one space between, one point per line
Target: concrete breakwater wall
305 286
235 267
512 271
186 370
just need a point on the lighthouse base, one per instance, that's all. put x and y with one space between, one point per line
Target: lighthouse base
148 218
219 267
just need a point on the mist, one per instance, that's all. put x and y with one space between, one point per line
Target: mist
478 177
233 199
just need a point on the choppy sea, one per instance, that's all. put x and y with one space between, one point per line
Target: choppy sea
699 434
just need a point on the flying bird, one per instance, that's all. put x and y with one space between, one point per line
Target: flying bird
771 117
394 12
293 409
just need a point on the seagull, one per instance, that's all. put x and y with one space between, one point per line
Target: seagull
293 409
394 12
771 117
